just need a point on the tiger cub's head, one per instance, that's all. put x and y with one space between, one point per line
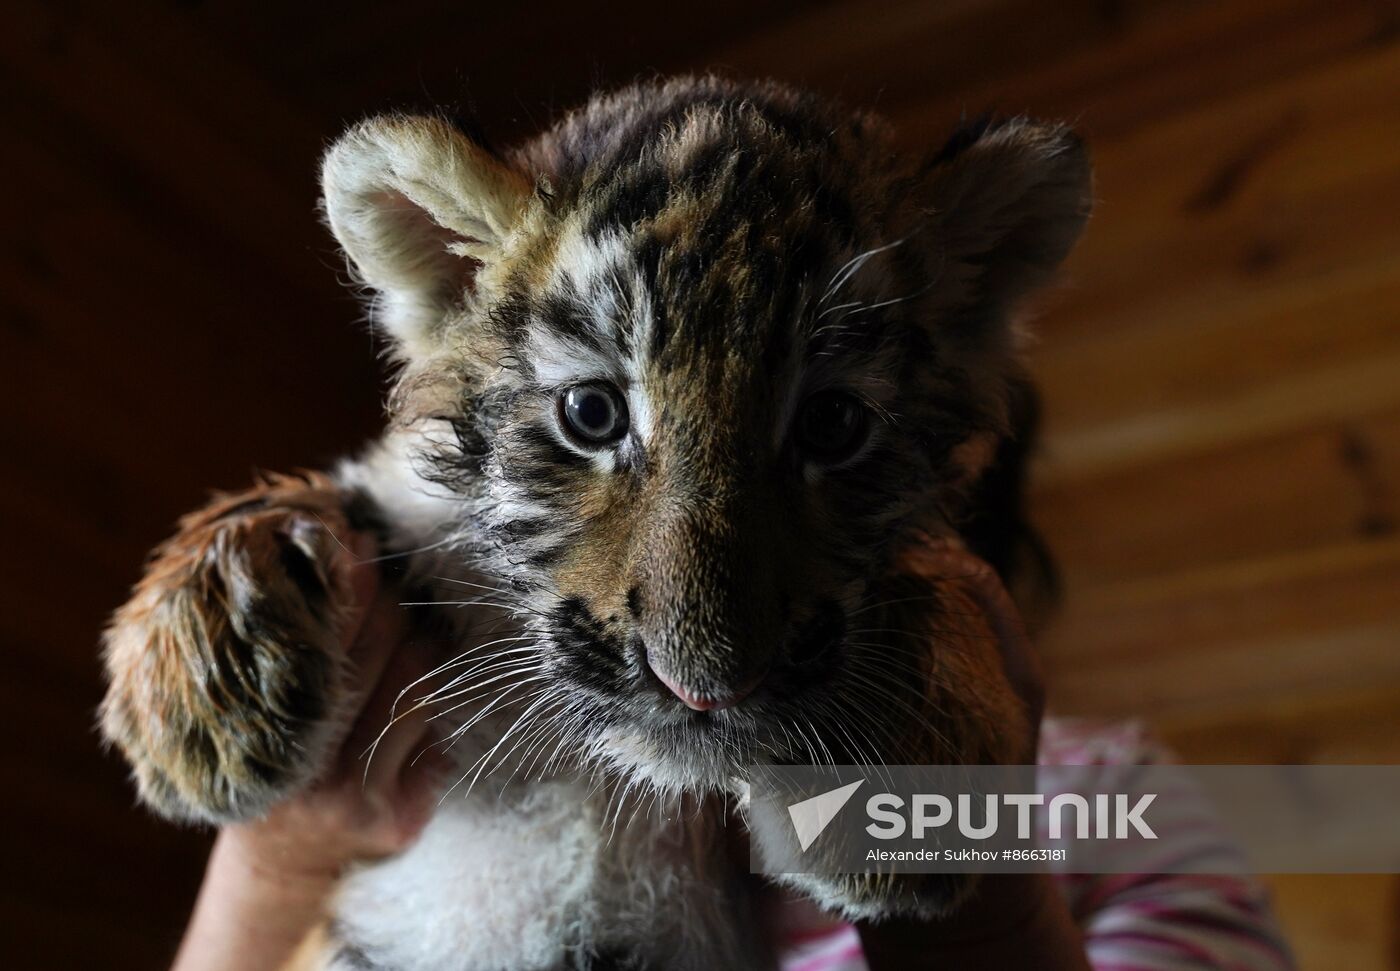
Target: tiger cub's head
692 367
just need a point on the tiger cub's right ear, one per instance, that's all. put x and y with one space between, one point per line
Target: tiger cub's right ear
420 210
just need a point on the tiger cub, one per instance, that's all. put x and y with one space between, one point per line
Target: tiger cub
677 383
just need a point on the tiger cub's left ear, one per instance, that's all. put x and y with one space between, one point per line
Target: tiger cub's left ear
1007 201
421 211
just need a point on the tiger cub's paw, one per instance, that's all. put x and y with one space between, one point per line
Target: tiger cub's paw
224 666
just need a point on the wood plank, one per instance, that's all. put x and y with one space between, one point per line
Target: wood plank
1358 725
505 73
1209 639
927 51
1318 485
1176 345
1158 64
1267 581
1338 922
166 129
1292 181
1341 394
1250 367
201 328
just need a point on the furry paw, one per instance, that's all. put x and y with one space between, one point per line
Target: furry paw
881 896
818 874
223 667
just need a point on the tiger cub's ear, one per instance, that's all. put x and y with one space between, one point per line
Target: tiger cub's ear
421 211
1007 201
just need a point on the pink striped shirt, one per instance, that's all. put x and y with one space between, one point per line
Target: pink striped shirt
1132 922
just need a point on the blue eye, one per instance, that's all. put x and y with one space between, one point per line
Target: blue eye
594 414
832 426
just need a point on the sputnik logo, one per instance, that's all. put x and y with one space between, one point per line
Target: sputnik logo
811 816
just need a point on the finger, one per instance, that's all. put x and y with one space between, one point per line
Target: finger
393 715
421 785
362 711
349 559
405 739
1021 663
1018 655
360 550
364 667
382 631
991 595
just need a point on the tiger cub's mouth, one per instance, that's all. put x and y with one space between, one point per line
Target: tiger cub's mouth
832 696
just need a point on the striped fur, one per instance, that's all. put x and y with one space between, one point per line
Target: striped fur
719 253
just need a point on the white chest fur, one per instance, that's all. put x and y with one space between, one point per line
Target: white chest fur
537 878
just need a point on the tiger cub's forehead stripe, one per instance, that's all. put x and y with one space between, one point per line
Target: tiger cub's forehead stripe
699 277
594 318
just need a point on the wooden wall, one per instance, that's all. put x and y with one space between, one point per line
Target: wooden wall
1221 366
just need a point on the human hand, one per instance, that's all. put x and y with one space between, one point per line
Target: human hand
1009 920
384 781
269 879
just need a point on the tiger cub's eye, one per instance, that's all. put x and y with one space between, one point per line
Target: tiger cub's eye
832 426
594 414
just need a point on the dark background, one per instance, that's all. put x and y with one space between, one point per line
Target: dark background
1222 365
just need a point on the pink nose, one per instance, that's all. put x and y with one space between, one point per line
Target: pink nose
698 703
